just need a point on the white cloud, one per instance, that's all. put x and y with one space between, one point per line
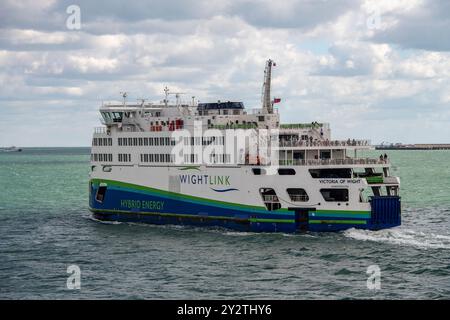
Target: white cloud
330 65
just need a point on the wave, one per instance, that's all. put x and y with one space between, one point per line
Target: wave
407 237
238 233
90 217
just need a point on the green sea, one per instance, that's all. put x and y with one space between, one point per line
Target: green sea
45 227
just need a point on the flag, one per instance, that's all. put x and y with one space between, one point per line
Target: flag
276 100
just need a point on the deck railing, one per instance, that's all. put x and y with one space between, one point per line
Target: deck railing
260 111
232 126
347 161
301 125
325 143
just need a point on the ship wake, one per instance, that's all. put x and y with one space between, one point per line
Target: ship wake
404 237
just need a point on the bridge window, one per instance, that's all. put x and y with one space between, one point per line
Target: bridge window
117 116
297 194
258 171
286 172
335 195
331 173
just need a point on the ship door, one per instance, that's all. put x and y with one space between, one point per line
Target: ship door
302 218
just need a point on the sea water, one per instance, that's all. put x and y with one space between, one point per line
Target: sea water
45 228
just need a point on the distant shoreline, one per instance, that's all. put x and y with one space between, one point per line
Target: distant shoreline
430 146
52 147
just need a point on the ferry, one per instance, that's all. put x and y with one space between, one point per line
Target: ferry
219 164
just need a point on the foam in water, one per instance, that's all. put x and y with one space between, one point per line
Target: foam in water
400 236
239 233
90 217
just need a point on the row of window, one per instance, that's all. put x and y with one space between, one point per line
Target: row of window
167 141
152 141
203 141
220 111
272 201
102 141
159 141
188 158
315 173
220 158
124 157
281 171
157 157
213 158
103 157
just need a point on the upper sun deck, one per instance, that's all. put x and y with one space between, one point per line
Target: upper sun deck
221 116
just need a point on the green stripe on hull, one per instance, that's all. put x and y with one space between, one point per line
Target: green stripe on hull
338 221
272 220
339 214
191 216
166 214
184 196
345 211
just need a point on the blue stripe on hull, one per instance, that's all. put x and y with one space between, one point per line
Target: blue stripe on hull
172 220
178 211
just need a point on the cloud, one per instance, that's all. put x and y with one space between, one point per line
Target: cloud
423 27
368 82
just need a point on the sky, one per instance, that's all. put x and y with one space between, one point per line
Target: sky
375 70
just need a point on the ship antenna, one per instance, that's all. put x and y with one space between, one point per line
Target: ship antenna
142 101
267 104
166 99
124 96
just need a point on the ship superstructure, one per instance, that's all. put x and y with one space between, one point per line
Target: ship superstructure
179 163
